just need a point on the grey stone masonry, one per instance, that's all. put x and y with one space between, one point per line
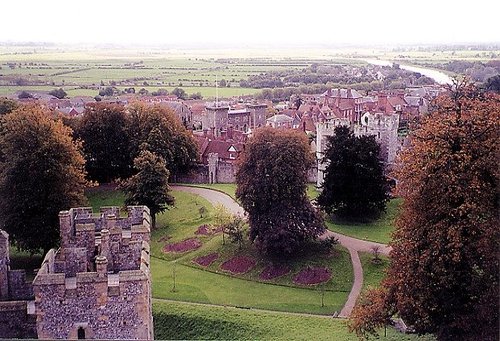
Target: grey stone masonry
98 284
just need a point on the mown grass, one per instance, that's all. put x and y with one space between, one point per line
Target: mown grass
373 273
199 285
379 230
230 189
181 321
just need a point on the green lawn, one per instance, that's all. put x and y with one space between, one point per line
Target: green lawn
373 273
184 321
377 231
104 196
199 285
230 189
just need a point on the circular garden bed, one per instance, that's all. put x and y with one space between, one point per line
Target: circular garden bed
183 246
206 260
311 275
238 265
204 230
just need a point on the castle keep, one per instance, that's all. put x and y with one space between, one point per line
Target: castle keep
98 284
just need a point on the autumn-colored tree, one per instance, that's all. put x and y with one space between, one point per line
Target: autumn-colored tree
444 277
271 180
150 185
41 173
157 129
354 186
106 143
7 105
372 312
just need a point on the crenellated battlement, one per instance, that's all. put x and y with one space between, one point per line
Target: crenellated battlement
103 266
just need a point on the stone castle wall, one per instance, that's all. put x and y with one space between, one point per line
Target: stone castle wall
19 287
383 127
15 322
99 282
105 306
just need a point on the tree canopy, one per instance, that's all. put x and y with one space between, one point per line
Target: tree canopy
150 185
41 173
157 129
113 135
7 105
443 276
354 185
271 181
106 143
59 93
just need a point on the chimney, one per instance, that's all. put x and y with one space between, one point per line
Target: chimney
349 93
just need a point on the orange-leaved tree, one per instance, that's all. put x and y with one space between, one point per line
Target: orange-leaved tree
443 277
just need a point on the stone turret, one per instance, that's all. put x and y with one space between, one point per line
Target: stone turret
102 266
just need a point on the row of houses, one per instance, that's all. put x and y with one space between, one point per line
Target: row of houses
221 128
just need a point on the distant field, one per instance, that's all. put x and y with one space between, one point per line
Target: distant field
193 70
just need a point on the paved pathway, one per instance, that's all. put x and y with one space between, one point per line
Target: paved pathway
352 244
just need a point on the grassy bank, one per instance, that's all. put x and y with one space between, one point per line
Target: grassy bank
195 322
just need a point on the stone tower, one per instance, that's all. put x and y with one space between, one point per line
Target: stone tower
257 114
98 284
216 118
383 126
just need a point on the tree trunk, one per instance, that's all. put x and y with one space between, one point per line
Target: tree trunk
153 220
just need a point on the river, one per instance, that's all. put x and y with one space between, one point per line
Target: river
438 76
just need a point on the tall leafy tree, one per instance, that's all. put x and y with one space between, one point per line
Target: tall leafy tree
59 93
271 180
41 173
157 129
354 186
106 143
7 105
443 276
150 185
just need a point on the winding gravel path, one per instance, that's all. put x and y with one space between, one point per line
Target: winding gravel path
352 244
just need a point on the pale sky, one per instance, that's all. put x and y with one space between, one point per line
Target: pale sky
250 22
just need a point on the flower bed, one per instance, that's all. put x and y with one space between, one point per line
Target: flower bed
311 275
203 230
183 246
274 271
206 260
238 265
